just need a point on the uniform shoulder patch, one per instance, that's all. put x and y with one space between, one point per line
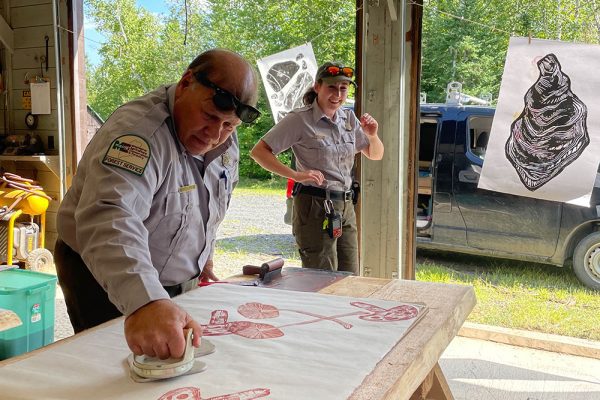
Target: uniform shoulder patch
128 152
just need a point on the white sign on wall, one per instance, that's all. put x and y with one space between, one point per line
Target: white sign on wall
287 76
545 137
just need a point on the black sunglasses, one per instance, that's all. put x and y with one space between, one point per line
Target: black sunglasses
225 101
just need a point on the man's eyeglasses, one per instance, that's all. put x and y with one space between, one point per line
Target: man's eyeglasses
225 101
335 71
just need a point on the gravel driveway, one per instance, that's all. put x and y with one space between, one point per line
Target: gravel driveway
253 232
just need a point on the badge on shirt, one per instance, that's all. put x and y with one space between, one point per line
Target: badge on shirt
187 188
226 159
128 152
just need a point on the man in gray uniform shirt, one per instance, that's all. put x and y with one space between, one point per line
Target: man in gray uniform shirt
138 224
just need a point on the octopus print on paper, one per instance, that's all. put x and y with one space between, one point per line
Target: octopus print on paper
551 131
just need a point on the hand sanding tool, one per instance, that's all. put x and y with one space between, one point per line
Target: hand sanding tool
145 368
267 271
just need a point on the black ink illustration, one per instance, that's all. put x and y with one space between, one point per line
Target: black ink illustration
289 80
551 132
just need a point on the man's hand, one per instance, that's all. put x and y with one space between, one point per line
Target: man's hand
157 330
208 273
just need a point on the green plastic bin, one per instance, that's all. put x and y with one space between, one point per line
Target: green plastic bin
31 296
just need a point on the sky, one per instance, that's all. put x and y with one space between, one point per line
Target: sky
93 38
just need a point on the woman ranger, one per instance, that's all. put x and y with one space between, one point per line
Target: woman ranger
324 138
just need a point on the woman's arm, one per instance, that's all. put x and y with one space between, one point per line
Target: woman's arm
374 151
263 155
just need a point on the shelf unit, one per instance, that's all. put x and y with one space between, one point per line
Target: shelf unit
52 162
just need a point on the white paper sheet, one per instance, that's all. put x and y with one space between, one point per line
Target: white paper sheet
40 97
286 77
552 151
324 347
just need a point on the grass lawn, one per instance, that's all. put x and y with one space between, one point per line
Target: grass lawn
511 294
520 295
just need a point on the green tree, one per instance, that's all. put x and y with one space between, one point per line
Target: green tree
259 28
467 40
142 51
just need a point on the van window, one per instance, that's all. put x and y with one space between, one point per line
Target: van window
479 134
427 134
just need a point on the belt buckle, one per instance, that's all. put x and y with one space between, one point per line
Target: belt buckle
348 195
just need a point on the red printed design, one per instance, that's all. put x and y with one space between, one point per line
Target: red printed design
192 393
398 313
219 326
258 311
253 330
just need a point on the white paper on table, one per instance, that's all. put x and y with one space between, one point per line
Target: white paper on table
40 97
315 358
579 62
286 77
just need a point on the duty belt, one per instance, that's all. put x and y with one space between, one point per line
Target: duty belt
181 288
318 192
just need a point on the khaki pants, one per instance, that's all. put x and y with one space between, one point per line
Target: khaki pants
316 248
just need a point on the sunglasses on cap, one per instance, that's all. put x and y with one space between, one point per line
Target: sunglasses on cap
225 101
334 70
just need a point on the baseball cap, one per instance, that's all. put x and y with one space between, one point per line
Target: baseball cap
335 72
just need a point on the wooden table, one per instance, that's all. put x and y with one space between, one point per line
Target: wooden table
411 367
410 370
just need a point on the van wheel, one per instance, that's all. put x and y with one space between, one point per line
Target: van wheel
40 260
586 261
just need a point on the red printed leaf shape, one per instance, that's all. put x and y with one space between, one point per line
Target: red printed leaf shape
258 311
254 330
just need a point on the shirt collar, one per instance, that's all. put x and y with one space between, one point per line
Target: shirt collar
318 114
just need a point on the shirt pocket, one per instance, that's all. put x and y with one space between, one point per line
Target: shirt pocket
320 150
172 224
347 149
223 194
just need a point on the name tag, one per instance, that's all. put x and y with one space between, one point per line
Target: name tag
187 188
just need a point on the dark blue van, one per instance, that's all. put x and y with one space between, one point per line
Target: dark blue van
454 215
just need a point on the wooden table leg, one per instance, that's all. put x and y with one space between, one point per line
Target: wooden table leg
434 387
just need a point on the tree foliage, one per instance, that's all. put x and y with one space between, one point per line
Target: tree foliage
467 40
463 40
143 51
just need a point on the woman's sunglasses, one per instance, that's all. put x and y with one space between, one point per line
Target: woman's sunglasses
335 71
225 101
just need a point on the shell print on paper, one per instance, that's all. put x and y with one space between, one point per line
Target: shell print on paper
551 131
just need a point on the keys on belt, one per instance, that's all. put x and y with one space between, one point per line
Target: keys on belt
333 221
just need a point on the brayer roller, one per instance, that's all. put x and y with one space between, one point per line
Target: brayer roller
267 271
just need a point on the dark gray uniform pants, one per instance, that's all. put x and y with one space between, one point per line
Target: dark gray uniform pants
316 248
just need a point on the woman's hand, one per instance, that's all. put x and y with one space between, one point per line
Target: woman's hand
310 176
369 124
